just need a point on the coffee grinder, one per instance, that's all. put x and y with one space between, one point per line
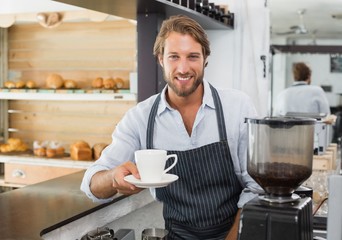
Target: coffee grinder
280 154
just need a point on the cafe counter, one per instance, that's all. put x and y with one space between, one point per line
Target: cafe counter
52 209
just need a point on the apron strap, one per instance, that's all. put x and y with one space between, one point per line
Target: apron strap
219 114
150 125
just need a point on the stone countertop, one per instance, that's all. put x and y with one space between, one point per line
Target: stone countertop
32 211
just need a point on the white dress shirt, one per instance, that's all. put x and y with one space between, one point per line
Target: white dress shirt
301 97
170 134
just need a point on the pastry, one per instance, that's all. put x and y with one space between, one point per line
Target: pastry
9 84
30 84
70 84
119 83
54 81
13 145
60 151
41 152
20 84
22 147
109 83
50 152
14 141
5 148
97 82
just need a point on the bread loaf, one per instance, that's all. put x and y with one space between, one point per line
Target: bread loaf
80 150
20 84
30 84
70 84
119 83
109 83
9 84
54 81
97 149
97 82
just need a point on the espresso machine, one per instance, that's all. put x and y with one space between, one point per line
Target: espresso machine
280 154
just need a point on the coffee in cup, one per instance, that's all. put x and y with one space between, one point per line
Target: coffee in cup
151 164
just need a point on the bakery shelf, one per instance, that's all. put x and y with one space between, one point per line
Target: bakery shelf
68 96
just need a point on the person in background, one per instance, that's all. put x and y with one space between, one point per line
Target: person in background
301 96
203 125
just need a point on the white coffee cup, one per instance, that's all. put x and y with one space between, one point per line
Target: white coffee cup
151 164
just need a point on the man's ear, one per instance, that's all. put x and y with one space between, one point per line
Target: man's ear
160 60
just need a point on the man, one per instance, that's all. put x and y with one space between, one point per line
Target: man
203 126
301 96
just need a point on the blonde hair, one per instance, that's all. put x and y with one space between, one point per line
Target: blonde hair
184 25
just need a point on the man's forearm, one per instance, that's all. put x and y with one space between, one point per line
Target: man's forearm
233 232
101 185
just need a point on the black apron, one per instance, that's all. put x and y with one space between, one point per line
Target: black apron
202 203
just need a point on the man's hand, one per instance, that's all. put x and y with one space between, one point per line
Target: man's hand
120 184
105 184
233 232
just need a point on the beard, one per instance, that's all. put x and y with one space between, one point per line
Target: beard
184 92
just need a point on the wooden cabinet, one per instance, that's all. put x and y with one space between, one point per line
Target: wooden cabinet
25 169
29 174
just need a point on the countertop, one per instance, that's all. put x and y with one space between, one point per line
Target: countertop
32 211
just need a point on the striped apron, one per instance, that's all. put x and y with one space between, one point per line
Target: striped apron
202 203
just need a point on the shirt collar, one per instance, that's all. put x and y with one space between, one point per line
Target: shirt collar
296 83
207 99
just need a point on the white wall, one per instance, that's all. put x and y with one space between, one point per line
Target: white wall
235 61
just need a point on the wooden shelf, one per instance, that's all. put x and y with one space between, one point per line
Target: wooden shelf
130 8
68 96
169 8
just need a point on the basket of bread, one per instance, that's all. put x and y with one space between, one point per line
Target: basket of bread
13 145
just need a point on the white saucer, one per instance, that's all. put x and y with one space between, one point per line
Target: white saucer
166 180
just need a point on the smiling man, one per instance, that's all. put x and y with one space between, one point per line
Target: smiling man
204 126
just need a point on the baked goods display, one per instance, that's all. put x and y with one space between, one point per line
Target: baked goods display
13 145
80 150
56 83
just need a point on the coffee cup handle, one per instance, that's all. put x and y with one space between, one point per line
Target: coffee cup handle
174 162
